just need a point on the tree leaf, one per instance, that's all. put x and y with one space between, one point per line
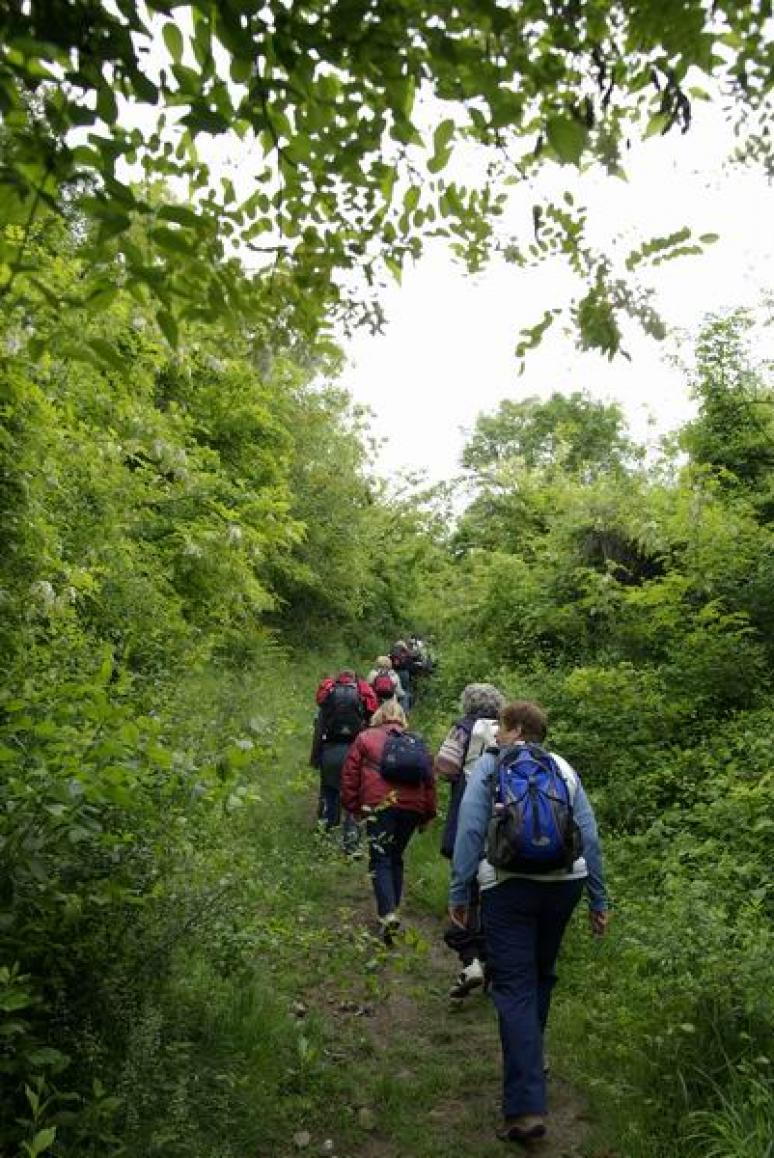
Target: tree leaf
107 107
42 1141
567 137
442 149
172 241
181 215
411 198
173 39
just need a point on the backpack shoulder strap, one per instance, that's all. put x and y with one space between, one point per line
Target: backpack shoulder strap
542 757
508 754
567 773
466 726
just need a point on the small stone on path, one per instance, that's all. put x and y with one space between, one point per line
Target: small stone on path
366 1118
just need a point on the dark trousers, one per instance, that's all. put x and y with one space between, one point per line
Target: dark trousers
330 814
468 943
388 831
524 921
405 683
330 805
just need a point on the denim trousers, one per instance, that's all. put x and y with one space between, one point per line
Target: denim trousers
388 832
330 814
524 921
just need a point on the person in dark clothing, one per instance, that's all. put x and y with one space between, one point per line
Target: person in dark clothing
468 738
401 658
345 707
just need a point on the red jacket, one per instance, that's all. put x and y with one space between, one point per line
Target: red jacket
363 787
368 697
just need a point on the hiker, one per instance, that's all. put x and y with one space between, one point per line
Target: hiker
528 894
346 705
388 779
401 660
468 738
384 680
420 665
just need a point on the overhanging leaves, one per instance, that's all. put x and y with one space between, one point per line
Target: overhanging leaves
327 110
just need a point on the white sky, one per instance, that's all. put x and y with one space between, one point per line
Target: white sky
448 351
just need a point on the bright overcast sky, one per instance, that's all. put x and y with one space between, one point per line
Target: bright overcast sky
448 350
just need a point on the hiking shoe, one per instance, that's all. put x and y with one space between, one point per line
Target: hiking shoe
471 977
390 926
527 1128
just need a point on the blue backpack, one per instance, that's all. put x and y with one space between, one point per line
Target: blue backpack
532 829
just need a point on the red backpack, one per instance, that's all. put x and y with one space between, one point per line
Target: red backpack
383 685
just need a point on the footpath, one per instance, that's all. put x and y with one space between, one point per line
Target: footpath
419 1076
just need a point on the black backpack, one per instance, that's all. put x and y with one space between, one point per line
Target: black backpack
343 714
405 759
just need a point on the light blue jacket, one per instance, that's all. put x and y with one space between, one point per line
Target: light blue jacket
475 814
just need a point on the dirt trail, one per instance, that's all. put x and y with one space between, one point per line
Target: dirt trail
411 1029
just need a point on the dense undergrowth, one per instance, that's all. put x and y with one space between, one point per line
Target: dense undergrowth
171 524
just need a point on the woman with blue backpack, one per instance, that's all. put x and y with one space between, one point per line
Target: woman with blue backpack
387 779
527 834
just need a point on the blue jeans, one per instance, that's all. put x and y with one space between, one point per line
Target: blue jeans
388 831
524 921
330 814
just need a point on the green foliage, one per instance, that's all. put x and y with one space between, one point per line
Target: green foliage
162 516
174 521
635 605
733 434
328 104
569 432
742 1121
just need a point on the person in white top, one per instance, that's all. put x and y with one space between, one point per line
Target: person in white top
382 674
465 742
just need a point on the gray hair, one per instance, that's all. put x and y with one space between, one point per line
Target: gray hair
482 701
